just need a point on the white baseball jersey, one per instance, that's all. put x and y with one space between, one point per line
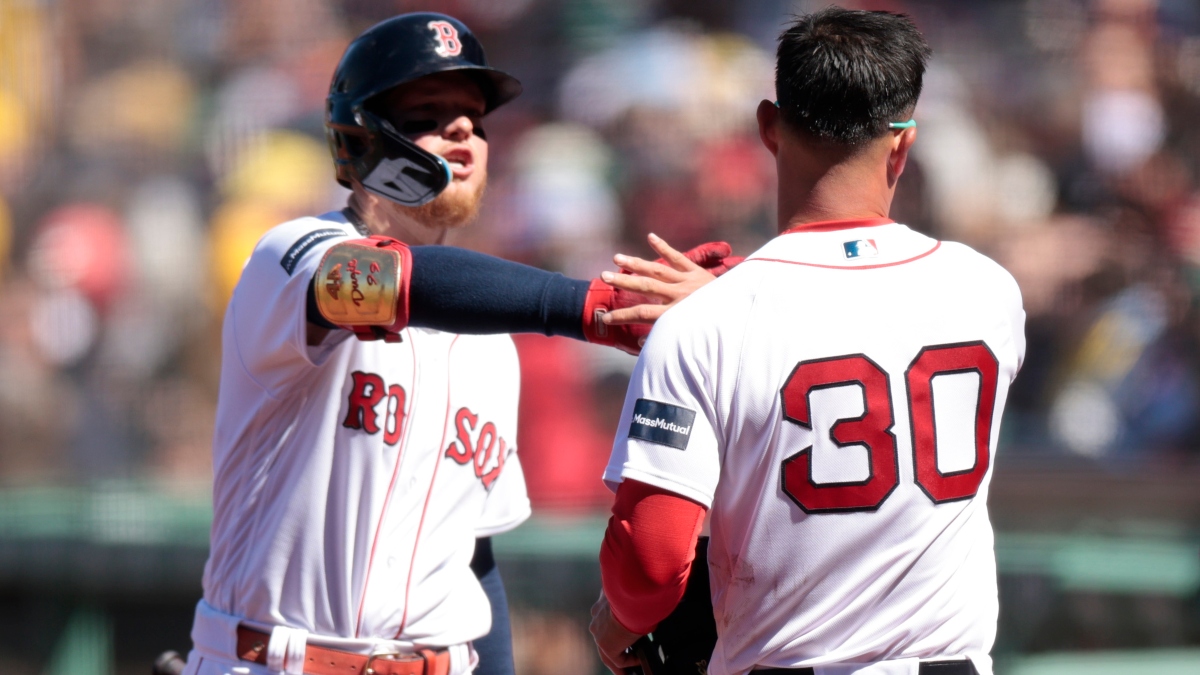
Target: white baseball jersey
352 478
836 400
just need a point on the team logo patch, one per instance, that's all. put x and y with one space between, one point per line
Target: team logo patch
447 37
304 245
861 248
662 423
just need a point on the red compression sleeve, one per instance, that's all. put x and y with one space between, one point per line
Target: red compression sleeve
647 553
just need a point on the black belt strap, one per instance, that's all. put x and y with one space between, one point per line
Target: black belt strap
957 667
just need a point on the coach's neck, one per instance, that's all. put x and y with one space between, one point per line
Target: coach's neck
824 180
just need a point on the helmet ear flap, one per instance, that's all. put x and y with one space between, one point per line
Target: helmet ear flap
356 145
349 147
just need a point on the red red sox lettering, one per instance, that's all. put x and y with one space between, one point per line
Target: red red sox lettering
484 448
366 392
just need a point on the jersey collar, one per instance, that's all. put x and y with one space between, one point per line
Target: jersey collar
833 225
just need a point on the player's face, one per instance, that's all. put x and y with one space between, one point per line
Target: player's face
441 113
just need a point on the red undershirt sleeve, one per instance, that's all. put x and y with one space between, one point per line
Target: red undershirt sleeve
647 553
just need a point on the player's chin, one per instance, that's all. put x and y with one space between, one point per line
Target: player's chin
469 191
458 205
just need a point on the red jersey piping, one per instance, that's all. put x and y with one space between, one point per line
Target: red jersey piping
845 267
834 225
421 524
387 498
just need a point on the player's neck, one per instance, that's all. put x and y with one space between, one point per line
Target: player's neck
852 190
379 218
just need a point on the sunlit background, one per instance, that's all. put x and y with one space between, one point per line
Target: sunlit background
145 145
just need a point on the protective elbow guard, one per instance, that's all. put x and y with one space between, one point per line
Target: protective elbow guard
362 285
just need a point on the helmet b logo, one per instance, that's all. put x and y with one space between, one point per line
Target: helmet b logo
447 37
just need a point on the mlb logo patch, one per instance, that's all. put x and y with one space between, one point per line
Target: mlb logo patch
860 248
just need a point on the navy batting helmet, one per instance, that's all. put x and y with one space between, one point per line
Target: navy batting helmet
367 147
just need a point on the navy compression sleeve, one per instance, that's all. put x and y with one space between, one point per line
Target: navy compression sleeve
460 291
495 649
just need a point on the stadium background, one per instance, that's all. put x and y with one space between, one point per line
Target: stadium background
146 144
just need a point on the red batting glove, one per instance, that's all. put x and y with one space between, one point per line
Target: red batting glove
715 256
602 299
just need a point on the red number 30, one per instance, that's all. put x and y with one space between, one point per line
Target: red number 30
874 428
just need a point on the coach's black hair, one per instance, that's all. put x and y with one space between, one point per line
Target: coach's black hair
843 75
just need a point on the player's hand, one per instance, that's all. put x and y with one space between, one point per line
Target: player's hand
619 308
665 284
611 638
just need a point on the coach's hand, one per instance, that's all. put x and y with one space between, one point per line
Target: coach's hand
666 284
611 638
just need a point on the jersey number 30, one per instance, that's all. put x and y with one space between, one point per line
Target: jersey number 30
874 428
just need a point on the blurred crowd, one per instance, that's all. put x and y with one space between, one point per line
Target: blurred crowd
145 145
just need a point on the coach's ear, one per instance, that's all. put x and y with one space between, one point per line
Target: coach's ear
901 143
768 125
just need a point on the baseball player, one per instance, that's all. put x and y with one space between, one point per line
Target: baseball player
837 420
361 451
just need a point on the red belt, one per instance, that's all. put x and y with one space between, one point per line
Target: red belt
252 646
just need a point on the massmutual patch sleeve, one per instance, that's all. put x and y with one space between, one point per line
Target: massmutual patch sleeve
267 313
667 435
